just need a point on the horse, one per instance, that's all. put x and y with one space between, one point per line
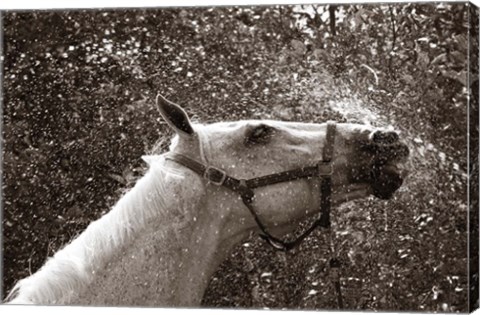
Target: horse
162 241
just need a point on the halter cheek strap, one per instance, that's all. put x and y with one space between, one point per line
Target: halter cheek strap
245 187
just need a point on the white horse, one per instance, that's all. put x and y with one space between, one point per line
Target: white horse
163 240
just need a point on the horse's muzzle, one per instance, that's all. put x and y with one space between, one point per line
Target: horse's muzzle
388 173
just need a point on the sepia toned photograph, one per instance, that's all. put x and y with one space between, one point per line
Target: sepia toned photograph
319 157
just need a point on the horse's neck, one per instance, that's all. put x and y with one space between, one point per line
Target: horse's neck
156 247
168 263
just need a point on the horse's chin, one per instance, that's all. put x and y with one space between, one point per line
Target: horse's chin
385 181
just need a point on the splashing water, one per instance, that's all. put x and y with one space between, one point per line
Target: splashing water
355 110
347 103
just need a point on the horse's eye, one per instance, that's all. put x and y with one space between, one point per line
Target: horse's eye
261 134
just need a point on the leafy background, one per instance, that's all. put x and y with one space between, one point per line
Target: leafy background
78 93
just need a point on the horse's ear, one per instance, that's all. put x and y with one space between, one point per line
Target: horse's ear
175 116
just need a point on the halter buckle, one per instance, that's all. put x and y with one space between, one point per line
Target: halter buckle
325 169
214 175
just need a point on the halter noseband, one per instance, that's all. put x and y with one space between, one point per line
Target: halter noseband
245 187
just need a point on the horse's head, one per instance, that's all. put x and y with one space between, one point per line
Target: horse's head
365 160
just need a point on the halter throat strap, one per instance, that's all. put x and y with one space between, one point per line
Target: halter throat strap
245 187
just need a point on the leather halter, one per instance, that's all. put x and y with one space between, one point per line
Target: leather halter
245 187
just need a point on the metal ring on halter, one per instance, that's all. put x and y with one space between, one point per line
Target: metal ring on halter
211 173
325 169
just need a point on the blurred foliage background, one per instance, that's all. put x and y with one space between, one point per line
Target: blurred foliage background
78 114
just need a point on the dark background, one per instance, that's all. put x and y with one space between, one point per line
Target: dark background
78 114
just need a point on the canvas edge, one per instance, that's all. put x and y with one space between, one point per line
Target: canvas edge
473 154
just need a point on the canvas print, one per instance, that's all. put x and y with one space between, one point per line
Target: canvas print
301 157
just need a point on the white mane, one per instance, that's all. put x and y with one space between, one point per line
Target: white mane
72 268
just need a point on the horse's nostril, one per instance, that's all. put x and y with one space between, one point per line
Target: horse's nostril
385 137
386 180
389 154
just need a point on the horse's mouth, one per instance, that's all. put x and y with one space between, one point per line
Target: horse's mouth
385 180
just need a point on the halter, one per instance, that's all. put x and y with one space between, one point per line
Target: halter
245 187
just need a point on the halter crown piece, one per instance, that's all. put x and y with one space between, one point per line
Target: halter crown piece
245 187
